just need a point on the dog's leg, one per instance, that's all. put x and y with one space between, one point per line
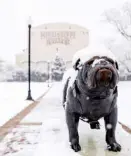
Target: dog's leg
110 125
72 120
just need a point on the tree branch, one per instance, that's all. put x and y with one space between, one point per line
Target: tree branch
125 65
118 24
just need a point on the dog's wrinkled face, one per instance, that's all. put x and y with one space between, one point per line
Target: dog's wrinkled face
100 72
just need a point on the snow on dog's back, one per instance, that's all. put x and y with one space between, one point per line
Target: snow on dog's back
70 73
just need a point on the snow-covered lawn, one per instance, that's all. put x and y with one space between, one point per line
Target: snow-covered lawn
124 103
13 98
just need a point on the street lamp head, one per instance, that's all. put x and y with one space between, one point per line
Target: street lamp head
29 20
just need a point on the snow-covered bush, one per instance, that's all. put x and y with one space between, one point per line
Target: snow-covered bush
58 68
37 76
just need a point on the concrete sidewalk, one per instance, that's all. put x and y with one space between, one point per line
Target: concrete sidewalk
43 132
20 138
54 134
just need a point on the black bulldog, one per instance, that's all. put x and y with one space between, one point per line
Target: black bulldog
93 95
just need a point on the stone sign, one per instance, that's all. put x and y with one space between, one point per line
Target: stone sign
62 37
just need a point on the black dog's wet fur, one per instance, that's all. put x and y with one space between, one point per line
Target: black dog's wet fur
94 108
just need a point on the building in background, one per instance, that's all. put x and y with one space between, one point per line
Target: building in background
50 39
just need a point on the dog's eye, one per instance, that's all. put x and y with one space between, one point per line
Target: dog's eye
92 60
108 59
111 61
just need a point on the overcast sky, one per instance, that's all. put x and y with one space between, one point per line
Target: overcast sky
14 15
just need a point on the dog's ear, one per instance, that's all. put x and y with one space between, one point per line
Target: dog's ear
90 61
77 64
116 64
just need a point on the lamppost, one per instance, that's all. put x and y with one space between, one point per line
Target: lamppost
29 97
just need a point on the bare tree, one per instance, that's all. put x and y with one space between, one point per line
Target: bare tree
121 19
126 62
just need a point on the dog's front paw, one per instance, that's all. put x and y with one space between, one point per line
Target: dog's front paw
95 125
115 147
76 147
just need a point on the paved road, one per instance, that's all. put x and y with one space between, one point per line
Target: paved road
54 135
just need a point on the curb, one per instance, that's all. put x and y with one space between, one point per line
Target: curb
125 127
14 121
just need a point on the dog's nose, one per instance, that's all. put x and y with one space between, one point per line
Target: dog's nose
104 74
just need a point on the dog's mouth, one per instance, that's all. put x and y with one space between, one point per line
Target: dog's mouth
104 77
106 84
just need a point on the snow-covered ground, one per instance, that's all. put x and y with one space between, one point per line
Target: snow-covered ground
54 134
124 103
53 137
13 98
21 141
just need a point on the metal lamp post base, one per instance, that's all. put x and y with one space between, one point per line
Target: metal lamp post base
29 97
